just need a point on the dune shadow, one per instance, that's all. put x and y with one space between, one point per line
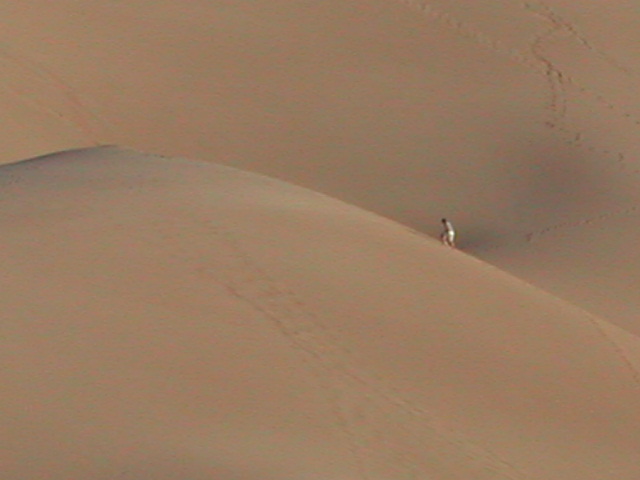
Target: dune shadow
478 239
556 179
539 179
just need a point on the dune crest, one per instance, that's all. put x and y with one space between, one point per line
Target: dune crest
517 120
180 319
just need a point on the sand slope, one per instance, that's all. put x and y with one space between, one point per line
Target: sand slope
517 119
168 319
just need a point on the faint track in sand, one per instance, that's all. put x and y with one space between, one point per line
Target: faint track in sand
550 15
81 116
351 389
532 237
465 30
559 80
558 104
537 63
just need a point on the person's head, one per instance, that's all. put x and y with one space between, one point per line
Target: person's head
444 220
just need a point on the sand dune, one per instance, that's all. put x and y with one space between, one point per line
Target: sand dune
173 318
518 120
169 318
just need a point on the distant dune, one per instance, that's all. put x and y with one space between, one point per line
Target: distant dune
168 318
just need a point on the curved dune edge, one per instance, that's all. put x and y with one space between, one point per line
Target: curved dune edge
180 319
412 109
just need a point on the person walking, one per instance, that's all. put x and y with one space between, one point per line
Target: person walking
448 236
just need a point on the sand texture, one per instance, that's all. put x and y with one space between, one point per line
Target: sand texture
263 295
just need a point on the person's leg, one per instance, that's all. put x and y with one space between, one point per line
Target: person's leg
451 238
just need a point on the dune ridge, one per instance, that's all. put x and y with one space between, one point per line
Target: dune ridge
518 121
171 317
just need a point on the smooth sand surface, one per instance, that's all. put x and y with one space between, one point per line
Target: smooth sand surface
517 120
170 319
